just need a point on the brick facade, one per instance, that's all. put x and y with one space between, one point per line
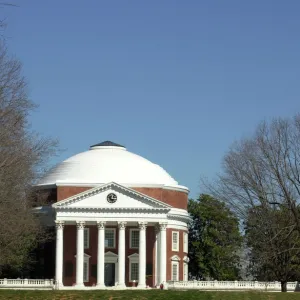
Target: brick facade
176 199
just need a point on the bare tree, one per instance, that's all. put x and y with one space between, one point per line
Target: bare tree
23 157
264 171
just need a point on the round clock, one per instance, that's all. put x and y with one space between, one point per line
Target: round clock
111 198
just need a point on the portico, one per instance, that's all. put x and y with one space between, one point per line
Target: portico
120 283
128 210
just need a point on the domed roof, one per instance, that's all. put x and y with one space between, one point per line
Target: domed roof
108 162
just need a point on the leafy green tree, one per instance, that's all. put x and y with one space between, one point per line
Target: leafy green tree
214 240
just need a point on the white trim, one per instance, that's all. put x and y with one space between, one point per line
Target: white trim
143 210
185 271
110 229
175 258
185 242
175 263
186 259
133 259
111 257
179 217
178 241
86 238
130 238
179 188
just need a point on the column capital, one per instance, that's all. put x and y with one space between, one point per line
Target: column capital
156 228
163 226
122 225
142 225
80 224
59 225
101 224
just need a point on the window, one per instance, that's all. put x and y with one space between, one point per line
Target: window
175 241
133 267
134 271
185 242
86 238
175 271
86 270
134 238
185 271
110 238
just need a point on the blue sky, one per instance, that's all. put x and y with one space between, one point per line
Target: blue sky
175 81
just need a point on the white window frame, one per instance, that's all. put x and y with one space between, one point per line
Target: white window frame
86 238
185 271
176 264
177 244
133 259
185 242
130 243
114 230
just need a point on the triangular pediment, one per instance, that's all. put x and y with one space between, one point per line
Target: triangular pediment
110 254
111 196
175 258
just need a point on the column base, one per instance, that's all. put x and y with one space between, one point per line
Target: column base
79 286
121 286
58 286
141 286
100 286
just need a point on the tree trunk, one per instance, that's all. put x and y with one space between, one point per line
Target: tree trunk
283 286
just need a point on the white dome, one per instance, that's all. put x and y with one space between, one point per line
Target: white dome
108 162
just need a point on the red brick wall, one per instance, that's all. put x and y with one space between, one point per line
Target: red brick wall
69 252
64 192
176 199
179 253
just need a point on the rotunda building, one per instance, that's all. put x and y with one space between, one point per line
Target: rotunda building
121 220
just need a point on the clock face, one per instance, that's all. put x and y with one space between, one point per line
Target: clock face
111 198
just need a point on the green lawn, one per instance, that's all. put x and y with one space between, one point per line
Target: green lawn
145 295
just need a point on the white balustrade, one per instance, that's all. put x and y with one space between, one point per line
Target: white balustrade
194 284
230 285
26 283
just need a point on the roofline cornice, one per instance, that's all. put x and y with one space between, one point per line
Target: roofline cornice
113 209
176 217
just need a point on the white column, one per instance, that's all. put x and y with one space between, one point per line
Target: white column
100 254
59 253
142 255
121 255
80 254
163 253
157 256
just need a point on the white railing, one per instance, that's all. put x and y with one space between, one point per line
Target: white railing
26 283
231 285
